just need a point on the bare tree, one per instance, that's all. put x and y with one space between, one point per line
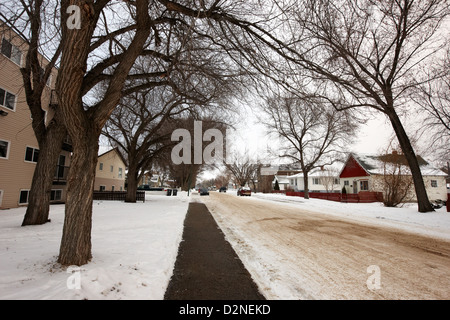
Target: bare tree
433 98
28 19
365 54
396 181
242 167
313 133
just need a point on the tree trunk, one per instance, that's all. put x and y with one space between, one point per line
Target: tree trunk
306 185
132 185
423 202
75 246
44 173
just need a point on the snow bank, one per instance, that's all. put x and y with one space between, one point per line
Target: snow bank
134 248
407 218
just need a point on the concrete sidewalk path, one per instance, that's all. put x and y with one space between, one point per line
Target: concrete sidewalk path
207 268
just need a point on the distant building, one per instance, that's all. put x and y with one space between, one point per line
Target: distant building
110 172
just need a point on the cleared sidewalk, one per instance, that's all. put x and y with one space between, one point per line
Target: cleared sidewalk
207 268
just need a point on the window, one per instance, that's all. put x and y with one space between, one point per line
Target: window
11 51
112 188
4 149
434 183
101 166
120 173
112 168
31 154
346 183
1 197
336 180
24 194
55 195
364 185
316 181
7 99
102 188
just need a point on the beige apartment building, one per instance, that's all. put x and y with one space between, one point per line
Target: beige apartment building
19 149
110 172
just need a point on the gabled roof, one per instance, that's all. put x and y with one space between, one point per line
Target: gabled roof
116 149
374 164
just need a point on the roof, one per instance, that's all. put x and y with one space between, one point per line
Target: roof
374 164
116 149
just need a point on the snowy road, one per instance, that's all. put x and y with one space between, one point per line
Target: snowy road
296 254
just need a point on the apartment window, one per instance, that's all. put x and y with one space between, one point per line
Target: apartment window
31 154
56 195
434 183
24 194
364 185
101 166
4 149
11 51
316 181
7 99
120 172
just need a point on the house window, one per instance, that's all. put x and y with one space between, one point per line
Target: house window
120 172
1 197
31 154
24 194
55 195
364 185
336 180
101 166
11 51
346 183
316 181
4 149
7 99
112 188
102 188
112 168
434 183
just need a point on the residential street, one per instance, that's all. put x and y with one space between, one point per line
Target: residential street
326 257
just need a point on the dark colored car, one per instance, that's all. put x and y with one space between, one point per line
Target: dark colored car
223 189
244 191
204 192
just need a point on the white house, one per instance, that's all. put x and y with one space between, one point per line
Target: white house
318 181
365 172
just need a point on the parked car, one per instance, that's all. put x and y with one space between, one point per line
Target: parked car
244 191
203 192
223 189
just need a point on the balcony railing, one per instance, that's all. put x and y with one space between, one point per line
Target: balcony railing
61 175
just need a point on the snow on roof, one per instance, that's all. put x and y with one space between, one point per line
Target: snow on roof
374 164
281 179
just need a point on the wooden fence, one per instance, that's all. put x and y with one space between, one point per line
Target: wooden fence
361 197
117 195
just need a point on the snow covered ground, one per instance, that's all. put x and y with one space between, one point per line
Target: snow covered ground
134 248
435 224
135 245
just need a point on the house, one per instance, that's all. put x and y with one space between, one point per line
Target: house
283 182
365 172
277 173
318 181
110 172
19 149
151 179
